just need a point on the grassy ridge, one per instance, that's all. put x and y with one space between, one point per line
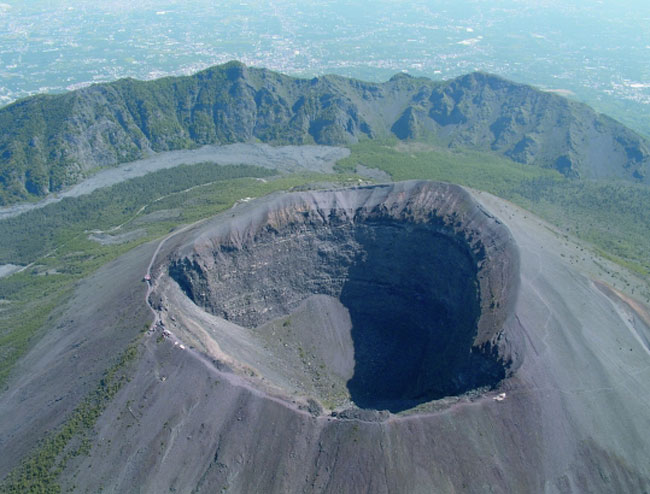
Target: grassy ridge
49 142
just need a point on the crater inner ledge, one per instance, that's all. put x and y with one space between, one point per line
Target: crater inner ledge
385 296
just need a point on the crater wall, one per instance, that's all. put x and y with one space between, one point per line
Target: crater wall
428 279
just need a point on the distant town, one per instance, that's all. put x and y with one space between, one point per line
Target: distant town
578 53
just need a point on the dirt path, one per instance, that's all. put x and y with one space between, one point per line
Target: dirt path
151 284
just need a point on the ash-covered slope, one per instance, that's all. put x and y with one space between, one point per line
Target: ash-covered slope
47 142
245 405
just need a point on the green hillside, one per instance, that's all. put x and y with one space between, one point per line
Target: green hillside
49 142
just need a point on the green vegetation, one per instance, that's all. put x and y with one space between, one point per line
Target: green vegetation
34 233
38 156
40 471
29 125
613 216
417 160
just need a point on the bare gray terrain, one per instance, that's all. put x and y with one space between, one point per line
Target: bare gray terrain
82 340
411 337
285 159
7 269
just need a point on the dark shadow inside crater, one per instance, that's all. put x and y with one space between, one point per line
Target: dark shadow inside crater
411 290
414 302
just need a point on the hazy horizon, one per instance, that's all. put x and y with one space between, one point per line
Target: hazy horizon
593 52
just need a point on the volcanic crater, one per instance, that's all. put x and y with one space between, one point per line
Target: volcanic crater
378 298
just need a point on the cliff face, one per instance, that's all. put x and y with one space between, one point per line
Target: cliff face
47 142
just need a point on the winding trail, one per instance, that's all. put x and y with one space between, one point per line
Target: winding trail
151 282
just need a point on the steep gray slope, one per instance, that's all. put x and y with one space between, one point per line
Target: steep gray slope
47 142
80 342
574 417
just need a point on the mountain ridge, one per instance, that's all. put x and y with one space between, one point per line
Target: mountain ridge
48 142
